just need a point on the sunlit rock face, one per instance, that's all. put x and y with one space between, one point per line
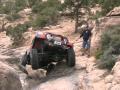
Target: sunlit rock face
114 12
9 80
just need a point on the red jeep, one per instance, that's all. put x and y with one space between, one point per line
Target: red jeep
47 48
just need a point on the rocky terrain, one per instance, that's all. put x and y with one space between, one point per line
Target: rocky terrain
84 76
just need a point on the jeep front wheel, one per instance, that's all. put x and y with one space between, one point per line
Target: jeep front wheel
24 60
70 57
34 59
23 63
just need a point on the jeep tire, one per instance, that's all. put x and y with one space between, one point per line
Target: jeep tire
34 59
24 60
70 57
23 63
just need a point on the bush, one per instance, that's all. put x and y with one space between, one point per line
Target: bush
40 21
98 15
33 2
108 5
110 47
12 6
98 54
47 13
51 13
6 7
20 5
13 17
16 33
46 17
39 5
107 59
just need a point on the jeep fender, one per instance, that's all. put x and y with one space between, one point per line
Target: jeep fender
70 45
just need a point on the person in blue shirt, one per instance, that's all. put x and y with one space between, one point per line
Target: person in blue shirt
86 35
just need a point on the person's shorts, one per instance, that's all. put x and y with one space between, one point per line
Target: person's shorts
86 44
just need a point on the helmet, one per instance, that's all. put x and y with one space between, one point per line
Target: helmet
38 34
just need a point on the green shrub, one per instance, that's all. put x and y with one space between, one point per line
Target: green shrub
51 13
7 7
40 21
16 33
110 47
33 2
20 5
98 15
39 5
13 17
47 13
108 59
98 54
46 17
108 5
12 6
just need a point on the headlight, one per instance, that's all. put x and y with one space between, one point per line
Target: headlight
65 41
49 36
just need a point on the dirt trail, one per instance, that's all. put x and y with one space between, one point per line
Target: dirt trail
61 78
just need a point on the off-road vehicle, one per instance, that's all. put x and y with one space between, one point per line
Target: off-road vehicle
47 48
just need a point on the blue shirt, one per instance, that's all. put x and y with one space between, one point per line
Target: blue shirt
86 34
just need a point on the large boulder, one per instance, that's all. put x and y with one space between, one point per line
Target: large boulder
25 12
9 80
114 12
113 81
116 72
36 74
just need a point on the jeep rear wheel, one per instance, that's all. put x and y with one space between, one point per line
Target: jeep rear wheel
70 57
34 59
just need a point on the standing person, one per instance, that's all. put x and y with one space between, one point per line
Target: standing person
86 34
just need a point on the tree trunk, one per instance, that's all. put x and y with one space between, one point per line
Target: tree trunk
27 3
76 18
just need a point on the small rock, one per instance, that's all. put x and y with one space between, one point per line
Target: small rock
108 86
100 85
96 75
114 83
117 79
9 79
39 73
90 67
109 79
59 26
116 67
46 28
28 11
79 67
114 12
116 87
116 72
